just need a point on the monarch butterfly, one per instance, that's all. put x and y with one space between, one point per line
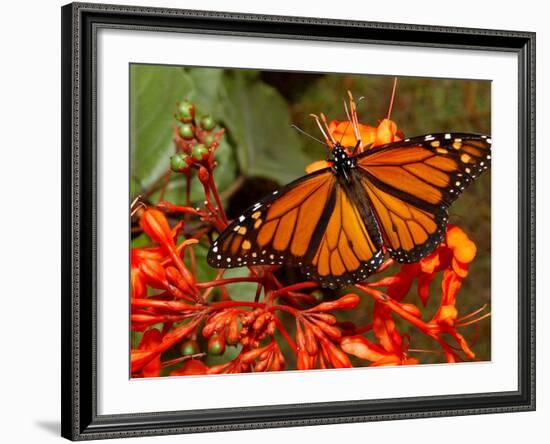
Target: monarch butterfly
337 223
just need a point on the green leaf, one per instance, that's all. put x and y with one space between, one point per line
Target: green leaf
258 120
204 271
241 291
154 93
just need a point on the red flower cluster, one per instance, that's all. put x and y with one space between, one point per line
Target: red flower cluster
184 322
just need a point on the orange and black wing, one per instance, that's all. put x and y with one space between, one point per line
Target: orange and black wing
411 184
312 223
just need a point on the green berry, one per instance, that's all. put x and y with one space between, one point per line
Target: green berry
216 345
178 162
208 123
186 131
209 140
190 347
186 111
317 295
199 152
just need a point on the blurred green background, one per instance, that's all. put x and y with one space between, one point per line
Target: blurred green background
261 151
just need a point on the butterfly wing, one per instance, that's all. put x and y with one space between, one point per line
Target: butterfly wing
311 223
411 184
279 228
350 243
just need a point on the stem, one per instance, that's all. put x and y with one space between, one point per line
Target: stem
181 359
165 185
258 292
188 189
214 191
218 282
358 330
230 304
155 185
286 308
293 287
285 334
206 294
396 307
165 305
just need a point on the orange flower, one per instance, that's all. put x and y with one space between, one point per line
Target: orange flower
156 226
344 132
151 339
362 348
190 367
464 250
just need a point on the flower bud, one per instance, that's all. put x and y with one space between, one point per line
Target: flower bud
362 348
345 302
260 321
191 367
179 164
156 226
177 280
447 314
271 327
317 295
154 273
209 140
190 347
326 317
186 131
329 330
412 309
137 283
337 357
186 111
208 123
310 341
204 176
233 333
216 345
304 361
253 354
199 152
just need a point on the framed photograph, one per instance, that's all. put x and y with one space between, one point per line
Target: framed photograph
278 221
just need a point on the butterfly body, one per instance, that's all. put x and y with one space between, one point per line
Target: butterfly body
342 163
336 224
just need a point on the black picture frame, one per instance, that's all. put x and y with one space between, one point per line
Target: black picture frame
79 206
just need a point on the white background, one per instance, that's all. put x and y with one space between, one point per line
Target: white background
30 180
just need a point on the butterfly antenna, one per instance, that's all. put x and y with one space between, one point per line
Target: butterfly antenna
392 97
308 135
344 133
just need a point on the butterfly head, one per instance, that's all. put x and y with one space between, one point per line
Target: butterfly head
342 162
